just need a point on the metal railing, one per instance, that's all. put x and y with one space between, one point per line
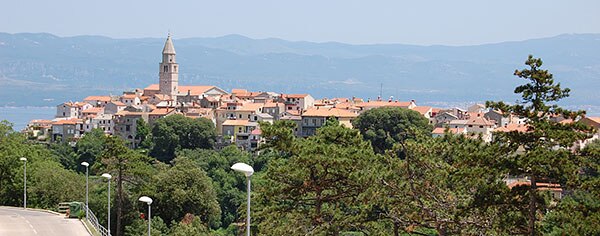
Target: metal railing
94 222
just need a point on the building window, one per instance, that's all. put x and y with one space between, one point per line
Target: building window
166 68
127 128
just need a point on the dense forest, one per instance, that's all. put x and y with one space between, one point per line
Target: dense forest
385 176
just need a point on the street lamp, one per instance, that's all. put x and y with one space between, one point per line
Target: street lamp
87 206
24 181
149 201
248 171
108 176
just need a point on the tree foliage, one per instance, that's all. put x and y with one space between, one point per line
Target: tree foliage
279 135
90 147
229 186
543 152
316 191
185 188
176 132
388 125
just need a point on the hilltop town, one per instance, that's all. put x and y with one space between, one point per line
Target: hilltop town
236 114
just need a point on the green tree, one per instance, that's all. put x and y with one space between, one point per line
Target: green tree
185 188
230 186
140 227
579 213
143 133
65 154
49 184
90 147
448 185
126 166
543 152
176 132
190 225
279 135
315 191
389 125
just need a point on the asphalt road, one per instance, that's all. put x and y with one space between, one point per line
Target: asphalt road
21 222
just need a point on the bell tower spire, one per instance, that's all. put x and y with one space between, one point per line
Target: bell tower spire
169 70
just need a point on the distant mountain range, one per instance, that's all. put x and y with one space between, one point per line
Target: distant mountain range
40 69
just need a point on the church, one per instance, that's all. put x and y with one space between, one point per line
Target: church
168 92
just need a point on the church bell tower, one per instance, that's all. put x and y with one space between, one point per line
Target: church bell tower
169 70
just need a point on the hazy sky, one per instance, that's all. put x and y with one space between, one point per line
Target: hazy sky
423 22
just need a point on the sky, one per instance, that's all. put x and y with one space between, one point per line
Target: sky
420 22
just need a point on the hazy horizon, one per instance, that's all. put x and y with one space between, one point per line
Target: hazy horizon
290 40
456 23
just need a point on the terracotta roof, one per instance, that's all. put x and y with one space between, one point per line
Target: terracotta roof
272 104
163 97
422 110
441 130
98 98
473 121
129 96
130 113
118 103
250 107
595 119
541 186
513 127
234 91
160 111
327 112
237 123
40 122
246 95
93 110
293 112
183 89
195 90
67 122
383 104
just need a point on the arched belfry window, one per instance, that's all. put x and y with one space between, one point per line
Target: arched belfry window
166 68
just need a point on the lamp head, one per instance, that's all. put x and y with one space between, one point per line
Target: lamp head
85 164
107 175
145 199
244 168
23 159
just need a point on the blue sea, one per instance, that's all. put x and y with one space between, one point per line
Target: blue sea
20 116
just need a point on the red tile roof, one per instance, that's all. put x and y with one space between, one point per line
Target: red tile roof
422 110
67 122
513 127
327 112
98 98
441 130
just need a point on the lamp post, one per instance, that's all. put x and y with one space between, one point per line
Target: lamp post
248 171
24 181
87 206
148 201
108 176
